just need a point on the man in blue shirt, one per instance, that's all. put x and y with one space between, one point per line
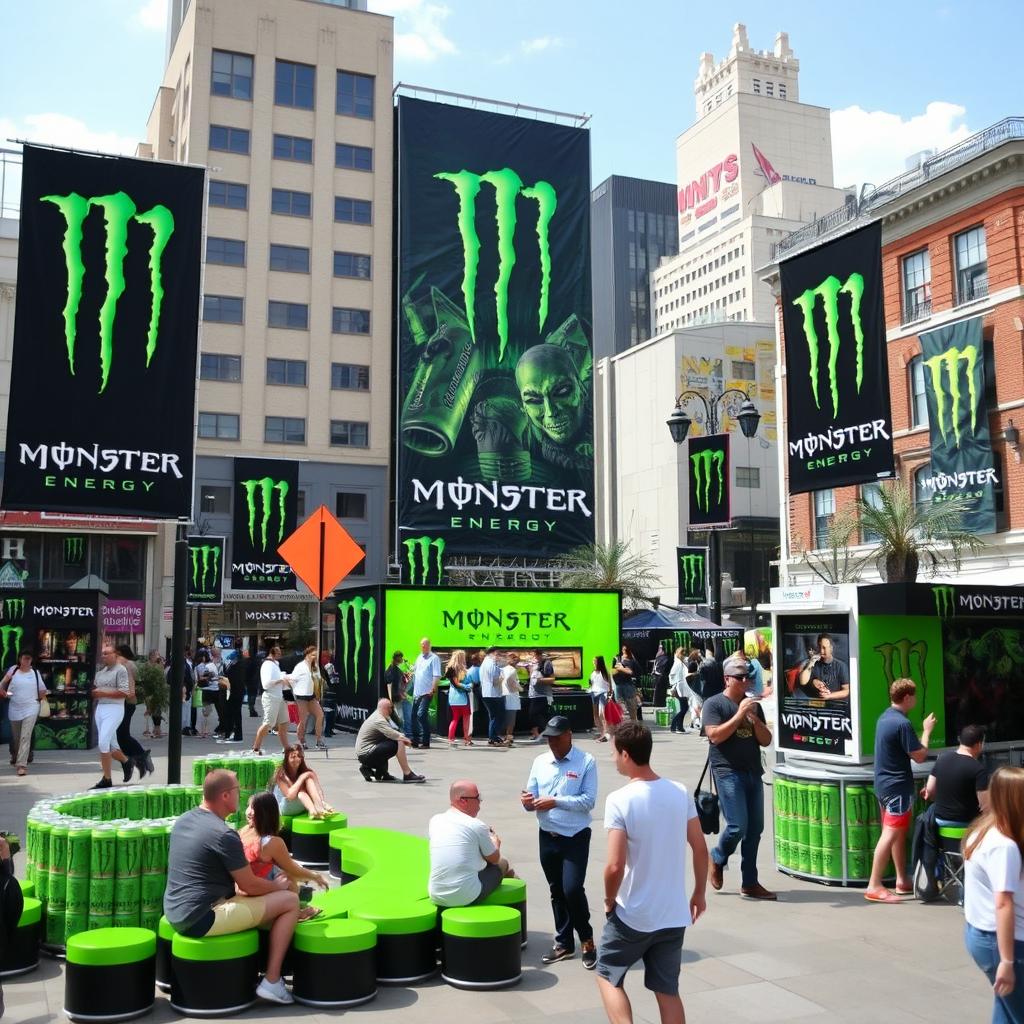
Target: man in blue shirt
425 674
562 789
492 696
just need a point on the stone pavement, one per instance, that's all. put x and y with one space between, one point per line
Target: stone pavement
819 954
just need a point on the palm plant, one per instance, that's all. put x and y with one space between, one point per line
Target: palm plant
834 562
611 567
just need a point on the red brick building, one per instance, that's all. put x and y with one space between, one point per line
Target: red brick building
952 248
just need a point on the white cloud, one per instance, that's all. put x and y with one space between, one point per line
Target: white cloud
419 29
61 130
540 44
874 145
152 16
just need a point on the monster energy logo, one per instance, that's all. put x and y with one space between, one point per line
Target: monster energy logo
943 597
10 639
205 561
705 463
950 361
265 488
681 638
896 661
119 210
508 186
692 567
357 606
830 289
12 608
418 550
730 645
74 550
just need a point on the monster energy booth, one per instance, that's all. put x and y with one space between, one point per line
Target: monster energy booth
570 627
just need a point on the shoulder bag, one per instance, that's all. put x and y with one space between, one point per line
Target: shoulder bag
707 803
44 701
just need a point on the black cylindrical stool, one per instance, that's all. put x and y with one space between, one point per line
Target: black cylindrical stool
310 836
406 938
22 953
214 976
164 937
511 893
110 974
334 857
334 962
480 947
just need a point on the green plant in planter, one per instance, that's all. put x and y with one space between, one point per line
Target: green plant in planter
151 683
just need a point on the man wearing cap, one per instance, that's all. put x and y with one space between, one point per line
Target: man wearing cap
736 730
562 789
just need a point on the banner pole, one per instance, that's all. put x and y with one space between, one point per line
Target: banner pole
177 654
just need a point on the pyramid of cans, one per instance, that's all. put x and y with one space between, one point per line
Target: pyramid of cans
99 858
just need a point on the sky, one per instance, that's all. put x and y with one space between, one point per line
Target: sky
899 77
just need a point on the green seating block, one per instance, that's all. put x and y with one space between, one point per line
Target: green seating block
111 947
394 917
334 935
217 947
480 922
28 889
31 912
510 893
307 826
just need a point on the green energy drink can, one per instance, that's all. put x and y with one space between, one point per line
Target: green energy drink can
56 890
816 862
830 806
77 895
128 898
136 804
75 922
858 863
814 832
119 800
814 803
151 919
832 862
155 802
55 927
198 771
856 806
247 775
154 849
128 861
103 853
43 845
101 902
129 920
79 851
152 893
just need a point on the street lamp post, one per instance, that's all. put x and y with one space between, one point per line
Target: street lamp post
679 423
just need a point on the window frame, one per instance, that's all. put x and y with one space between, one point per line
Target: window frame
356 153
348 424
335 319
218 418
363 499
277 151
231 131
751 477
290 194
288 307
355 203
219 299
356 261
286 366
292 87
285 421
916 298
350 97
822 518
870 487
233 75
223 244
362 373
915 372
969 278
285 254
228 185
233 374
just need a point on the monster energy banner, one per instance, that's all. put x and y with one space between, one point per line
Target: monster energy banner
102 395
708 471
692 566
423 563
265 514
839 426
954 383
495 446
356 650
205 570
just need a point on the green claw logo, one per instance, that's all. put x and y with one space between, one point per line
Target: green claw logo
12 608
354 641
729 645
692 567
508 186
944 601
706 463
10 643
898 657
681 638
205 561
418 558
119 210
830 289
265 487
950 361
74 550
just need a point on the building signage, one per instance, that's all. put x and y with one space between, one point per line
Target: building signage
692 570
265 513
124 617
701 195
206 570
708 472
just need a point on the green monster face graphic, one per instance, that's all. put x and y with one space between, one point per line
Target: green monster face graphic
706 465
948 409
262 492
551 392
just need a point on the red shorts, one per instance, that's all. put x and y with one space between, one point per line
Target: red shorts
896 810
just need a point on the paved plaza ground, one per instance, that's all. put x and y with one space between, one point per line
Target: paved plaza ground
819 954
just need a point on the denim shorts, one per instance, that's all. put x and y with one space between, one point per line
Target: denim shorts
661 952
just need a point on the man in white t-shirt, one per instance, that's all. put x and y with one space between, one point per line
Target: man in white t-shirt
275 710
465 855
426 671
645 879
492 695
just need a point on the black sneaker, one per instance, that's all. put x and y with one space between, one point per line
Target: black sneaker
589 955
413 777
128 767
386 777
367 773
102 784
140 763
556 953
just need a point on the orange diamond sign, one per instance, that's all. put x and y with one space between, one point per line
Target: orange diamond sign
321 552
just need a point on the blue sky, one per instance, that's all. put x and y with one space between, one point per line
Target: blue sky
899 76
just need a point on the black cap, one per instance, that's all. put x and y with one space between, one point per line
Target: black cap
557 726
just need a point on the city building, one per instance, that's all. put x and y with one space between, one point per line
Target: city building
951 242
755 165
632 226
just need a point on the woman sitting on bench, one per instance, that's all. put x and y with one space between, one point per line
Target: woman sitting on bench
297 787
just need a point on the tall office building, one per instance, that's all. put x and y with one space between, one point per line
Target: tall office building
632 226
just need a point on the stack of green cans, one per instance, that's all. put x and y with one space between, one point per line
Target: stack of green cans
128 878
831 831
155 840
102 866
79 862
858 833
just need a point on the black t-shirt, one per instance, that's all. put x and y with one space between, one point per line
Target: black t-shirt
740 751
624 678
958 780
662 664
394 678
834 674
711 678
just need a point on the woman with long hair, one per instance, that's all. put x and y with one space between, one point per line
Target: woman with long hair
297 787
458 697
679 687
600 689
307 685
24 687
994 893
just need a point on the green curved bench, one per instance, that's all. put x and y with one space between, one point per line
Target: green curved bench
309 839
110 974
406 937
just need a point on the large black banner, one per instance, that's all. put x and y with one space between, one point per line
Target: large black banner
838 423
495 445
103 378
954 383
205 570
692 569
265 499
709 472
358 654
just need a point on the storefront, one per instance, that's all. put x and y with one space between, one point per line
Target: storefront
258 621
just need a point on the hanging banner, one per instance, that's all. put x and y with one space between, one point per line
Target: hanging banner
692 568
265 499
954 383
839 426
496 440
103 378
709 472
205 570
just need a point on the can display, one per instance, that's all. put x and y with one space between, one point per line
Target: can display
814 803
155 802
55 927
103 853
101 902
831 808
154 849
816 860
75 922
79 851
152 892
57 858
77 895
858 864
56 889
136 804
832 862
128 860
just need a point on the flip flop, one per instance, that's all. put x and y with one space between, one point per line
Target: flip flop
882 897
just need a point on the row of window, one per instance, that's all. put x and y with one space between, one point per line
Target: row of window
291 372
291 259
225 426
215 500
692 296
294 84
233 195
970 274
290 316
226 139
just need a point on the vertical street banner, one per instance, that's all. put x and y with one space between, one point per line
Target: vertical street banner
495 446
422 560
206 570
265 513
692 569
103 377
954 382
708 470
357 654
838 421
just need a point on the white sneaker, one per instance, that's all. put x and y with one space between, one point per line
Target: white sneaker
274 992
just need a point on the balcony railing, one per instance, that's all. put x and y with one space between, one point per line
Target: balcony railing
916 310
970 289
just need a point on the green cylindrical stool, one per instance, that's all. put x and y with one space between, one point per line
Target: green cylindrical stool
480 947
214 976
164 938
406 938
511 893
310 839
22 953
110 974
334 962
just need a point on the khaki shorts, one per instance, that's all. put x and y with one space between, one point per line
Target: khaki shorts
275 710
238 914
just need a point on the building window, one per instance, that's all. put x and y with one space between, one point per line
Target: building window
348 505
742 369
782 91
757 86
352 264
219 426
284 430
229 194
353 158
214 501
215 366
354 95
222 309
350 321
291 259
349 434
290 204
349 377
918 395
824 510
294 85
291 315
971 265
748 476
769 88
293 147
287 371
922 478
870 494
226 252
229 140
300 504
353 211
917 286
232 75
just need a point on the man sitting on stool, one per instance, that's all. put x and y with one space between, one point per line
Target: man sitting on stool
377 742
959 781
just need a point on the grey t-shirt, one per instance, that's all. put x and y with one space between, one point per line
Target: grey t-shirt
203 853
113 678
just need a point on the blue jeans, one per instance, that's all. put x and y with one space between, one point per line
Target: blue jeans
677 722
496 717
406 711
741 795
982 946
421 720
563 860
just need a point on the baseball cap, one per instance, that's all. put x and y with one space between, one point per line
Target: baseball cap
736 665
557 726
